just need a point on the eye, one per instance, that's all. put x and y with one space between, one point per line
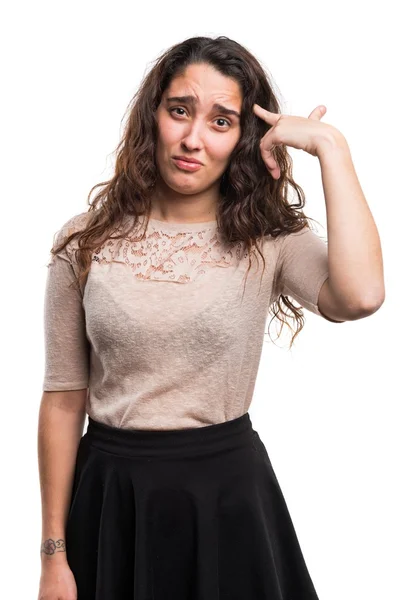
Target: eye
219 118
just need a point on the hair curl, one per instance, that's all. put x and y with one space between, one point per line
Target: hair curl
253 203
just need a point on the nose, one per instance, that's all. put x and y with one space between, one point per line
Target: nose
193 138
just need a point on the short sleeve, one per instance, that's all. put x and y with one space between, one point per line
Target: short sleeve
66 347
302 268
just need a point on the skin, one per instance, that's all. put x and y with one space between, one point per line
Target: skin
355 286
197 131
307 134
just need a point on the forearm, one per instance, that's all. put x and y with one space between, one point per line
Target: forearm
60 427
355 255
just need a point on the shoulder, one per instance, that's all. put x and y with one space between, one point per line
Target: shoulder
74 224
306 237
288 247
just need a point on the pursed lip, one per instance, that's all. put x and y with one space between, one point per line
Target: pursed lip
187 159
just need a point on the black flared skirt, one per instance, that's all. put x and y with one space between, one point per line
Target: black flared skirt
183 514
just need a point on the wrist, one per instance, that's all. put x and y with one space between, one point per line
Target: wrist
332 142
52 550
54 561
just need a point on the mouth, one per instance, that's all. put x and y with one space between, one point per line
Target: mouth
187 165
188 159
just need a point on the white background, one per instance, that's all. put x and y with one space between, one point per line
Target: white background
327 411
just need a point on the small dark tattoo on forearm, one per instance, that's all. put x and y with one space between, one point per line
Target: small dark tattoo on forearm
51 546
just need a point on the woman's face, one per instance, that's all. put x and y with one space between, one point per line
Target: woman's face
197 129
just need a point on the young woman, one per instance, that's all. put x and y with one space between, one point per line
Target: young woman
155 312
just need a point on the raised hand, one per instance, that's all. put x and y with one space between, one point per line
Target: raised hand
299 132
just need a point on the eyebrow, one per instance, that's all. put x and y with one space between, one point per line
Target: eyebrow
192 100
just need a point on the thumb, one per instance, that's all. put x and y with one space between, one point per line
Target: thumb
318 112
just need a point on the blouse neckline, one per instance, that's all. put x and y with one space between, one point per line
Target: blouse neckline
182 227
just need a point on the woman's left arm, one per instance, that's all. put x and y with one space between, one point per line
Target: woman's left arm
355 286
356 278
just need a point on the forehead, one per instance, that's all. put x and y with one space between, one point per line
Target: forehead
206 84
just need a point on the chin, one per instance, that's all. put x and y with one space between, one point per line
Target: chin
180 183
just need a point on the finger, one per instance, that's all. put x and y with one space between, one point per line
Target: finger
267 143
318 113
270 162
266 115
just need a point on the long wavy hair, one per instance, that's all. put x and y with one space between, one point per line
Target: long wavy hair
253 204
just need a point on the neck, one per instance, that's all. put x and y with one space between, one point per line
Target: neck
168 205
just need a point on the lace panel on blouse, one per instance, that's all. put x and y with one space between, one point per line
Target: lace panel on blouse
180 257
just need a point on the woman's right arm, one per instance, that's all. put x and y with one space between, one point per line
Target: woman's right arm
62 416
60 427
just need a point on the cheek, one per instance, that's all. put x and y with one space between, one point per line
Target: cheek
168 133
220 151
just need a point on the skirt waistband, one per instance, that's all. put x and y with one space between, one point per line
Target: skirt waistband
173 442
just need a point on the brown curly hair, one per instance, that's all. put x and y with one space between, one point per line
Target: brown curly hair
253 204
